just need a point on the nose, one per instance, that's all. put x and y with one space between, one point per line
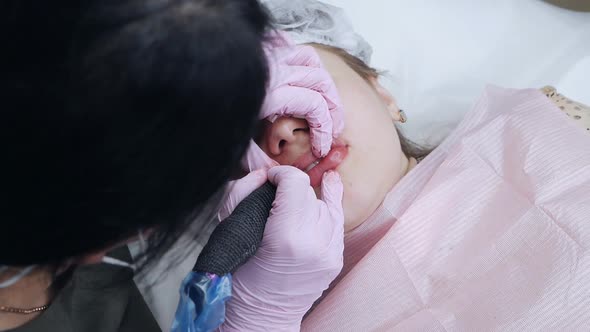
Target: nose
285 132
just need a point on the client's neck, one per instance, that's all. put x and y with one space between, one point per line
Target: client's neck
32 291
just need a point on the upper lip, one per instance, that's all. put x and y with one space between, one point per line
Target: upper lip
307 159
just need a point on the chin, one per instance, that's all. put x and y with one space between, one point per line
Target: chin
351 222
354 214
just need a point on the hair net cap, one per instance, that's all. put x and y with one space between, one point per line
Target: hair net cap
311 21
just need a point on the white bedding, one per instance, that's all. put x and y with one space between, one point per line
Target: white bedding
439 56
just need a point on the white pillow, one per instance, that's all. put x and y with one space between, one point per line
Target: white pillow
440 54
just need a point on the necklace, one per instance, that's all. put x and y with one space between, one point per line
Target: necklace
23 311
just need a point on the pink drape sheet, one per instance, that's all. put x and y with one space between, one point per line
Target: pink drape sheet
490 232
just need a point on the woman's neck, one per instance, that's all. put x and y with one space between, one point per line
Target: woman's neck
32 291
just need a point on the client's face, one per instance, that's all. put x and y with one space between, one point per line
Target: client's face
375 161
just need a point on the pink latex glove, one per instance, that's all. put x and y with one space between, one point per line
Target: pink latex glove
300 254
240 189
300 87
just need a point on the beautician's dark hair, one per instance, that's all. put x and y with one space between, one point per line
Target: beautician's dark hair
119 115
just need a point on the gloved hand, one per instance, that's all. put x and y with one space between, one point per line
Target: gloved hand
300 87
240 189
300 254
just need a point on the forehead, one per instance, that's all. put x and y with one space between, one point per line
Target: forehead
333 63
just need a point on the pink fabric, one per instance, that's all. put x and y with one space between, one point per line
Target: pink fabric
490 232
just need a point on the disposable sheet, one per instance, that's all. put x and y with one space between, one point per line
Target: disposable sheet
489 233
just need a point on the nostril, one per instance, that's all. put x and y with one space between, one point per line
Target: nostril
301 129
280 134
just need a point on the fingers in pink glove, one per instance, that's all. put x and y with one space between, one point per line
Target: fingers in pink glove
304 104
332 191
301 67
255 158
276 39
315 79
300 55
300 255
240 189
319 79
293 183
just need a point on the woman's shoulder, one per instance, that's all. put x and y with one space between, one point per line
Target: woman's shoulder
98 298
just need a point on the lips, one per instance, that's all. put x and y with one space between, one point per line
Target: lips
316 168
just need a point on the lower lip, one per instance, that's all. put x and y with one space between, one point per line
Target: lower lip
330 162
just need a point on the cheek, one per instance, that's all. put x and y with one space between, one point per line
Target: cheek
366 183
372 167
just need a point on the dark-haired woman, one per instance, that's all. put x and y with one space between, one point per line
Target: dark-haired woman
123 120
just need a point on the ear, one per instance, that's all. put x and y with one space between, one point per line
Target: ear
387 99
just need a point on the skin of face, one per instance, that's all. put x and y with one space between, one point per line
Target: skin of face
375 161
